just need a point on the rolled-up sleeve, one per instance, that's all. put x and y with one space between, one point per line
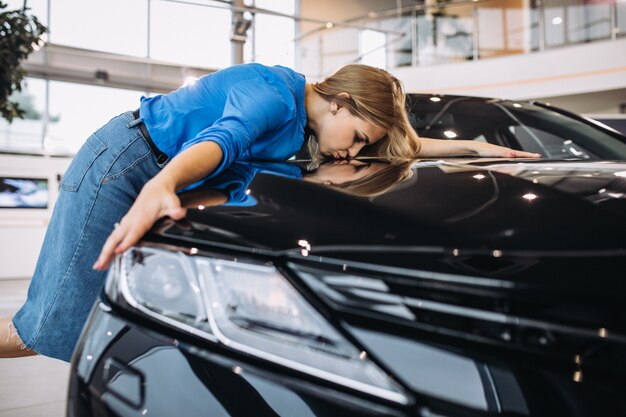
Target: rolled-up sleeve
253 107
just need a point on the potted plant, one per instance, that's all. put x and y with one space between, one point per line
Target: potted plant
20 34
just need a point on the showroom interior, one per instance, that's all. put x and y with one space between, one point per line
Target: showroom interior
99 58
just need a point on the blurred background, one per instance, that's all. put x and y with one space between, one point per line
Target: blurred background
571 53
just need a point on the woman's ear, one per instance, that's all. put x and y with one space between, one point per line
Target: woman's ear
334 106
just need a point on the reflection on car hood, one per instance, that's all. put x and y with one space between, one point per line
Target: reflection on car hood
502 206
503 276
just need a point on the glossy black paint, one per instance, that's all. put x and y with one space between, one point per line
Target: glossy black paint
444 205
141 371
530 126
483 287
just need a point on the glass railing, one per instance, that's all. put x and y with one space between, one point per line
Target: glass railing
453 31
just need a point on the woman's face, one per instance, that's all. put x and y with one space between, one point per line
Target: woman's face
339 172
341 134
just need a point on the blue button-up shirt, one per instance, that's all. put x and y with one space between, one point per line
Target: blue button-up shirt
251 111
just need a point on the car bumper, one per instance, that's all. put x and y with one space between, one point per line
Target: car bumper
125 368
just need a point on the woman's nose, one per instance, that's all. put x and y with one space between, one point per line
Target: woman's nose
354 150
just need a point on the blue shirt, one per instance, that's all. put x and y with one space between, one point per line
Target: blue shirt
251 111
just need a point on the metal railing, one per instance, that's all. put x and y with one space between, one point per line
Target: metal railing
450 31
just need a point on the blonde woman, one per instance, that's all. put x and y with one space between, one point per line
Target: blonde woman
126 175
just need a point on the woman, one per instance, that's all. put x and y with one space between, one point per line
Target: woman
362 178
126 175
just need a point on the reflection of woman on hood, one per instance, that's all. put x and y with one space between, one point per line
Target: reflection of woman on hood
364 178
360 178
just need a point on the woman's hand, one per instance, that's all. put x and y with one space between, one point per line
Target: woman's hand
158 198
488 150
443 147
155 200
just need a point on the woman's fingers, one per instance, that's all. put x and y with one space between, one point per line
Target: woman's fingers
132 227
130 238
108 249
176 213
152 203
122 238
497 151
522 154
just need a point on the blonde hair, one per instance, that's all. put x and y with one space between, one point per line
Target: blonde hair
379 182
377 97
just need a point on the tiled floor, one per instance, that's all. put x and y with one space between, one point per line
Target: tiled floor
35 386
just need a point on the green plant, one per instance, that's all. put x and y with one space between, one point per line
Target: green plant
20 34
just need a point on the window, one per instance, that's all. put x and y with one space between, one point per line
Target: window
273 35
190 34
372 48
37 8
588 22
547 144
78 110
554 28
26 134
115 26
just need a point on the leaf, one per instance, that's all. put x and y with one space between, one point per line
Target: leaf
19 33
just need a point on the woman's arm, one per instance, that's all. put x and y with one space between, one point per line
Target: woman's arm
445 147
158 198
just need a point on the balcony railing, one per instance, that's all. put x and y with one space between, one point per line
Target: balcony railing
440 32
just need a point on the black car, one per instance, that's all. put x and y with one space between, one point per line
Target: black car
533 127
452 287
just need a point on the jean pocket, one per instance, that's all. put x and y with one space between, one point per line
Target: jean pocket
129 159
83 160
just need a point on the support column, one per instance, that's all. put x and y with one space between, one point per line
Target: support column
238 31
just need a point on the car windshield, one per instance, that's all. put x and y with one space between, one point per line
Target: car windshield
518 125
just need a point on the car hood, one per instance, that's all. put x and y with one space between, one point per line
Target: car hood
492 207
500 274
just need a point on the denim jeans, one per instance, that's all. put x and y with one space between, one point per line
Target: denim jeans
97 190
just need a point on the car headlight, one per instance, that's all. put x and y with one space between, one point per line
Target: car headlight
248 307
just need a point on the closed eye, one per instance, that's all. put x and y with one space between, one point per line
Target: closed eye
359 168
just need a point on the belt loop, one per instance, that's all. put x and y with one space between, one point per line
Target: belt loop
134 123
134 119
162 160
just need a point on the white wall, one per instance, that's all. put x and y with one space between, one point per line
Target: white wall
597 66
22 230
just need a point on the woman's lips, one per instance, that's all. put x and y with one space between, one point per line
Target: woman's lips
333 154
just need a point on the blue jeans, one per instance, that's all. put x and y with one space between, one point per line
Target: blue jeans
97 190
